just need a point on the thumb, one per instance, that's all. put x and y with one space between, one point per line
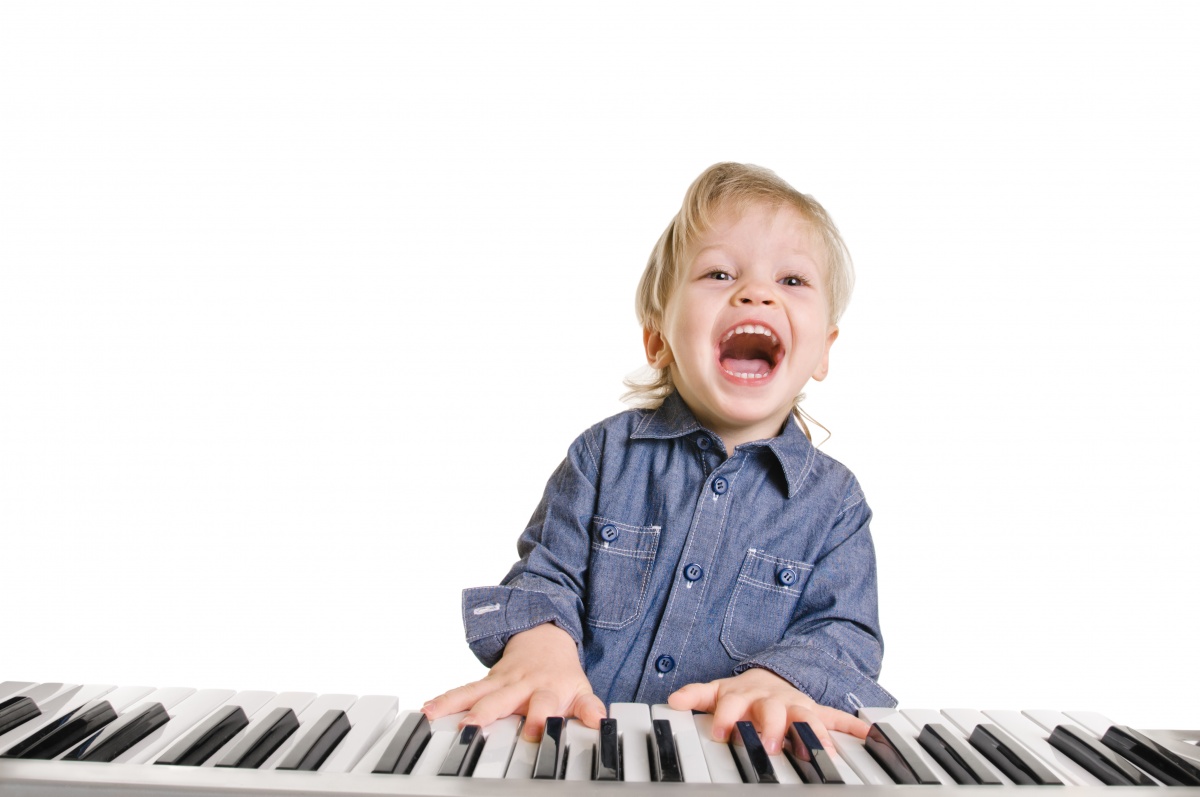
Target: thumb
695 697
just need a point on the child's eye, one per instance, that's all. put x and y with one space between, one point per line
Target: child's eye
794 281
717 274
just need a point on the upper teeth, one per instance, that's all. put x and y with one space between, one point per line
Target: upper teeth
751 329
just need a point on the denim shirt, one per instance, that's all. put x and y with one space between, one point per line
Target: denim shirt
671 563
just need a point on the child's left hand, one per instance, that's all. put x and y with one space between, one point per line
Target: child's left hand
768 701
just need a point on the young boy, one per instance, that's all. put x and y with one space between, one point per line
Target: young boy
700 551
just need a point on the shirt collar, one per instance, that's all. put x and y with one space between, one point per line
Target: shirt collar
792 449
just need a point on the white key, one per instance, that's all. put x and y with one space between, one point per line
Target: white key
120 699
368 717
524 756
634 728
62 699
784 771
312 712
13 688
500 738
722 768
909 731
851 750
435 753
1096 723
965 719
581 747
1033 737
1048 720
687 742
920 717
375 752
296 701
192 709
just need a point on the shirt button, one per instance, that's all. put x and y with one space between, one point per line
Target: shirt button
786 576
693 572
608 533
703 443
664 664
719 485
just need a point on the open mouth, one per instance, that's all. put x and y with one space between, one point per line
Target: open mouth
749 351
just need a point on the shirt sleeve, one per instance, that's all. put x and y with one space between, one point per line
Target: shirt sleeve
833 649
547 584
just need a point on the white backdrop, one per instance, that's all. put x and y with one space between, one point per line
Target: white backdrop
300 304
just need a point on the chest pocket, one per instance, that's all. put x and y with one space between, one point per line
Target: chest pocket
764 600
619 566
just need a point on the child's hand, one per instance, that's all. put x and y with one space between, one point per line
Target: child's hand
538 676
768 701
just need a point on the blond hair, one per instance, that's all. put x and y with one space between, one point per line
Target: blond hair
727 186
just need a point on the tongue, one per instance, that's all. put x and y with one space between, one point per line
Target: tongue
745 366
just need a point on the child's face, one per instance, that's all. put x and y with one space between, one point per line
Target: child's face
748 323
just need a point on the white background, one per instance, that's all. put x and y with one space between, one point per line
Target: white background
301 303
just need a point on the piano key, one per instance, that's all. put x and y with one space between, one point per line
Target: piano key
687 742
128 729
1034 738
318 742
1164 764
551 751
190 710
897 756
1086 751
58 737
909 733
851 750
368 717
430 761
499 740
15 711
955 756
964 721
53 700
1021 766
11 688
464 751
810 758
524 756
402 745
664 759
633 723
722 766
750 754
268 734
204 740
606 761
1093 727
311 714
581 742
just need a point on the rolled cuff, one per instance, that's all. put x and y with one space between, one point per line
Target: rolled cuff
491 615
821 676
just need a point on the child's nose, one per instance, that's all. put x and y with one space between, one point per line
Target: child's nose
755 293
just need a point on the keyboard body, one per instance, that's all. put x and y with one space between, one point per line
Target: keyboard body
505 763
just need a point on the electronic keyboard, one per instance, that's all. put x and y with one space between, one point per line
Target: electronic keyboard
75 739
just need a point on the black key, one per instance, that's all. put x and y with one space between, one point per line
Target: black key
1164 764
405 747
551 755
956 757
463 753
1010 757
269 733
664 757
897 757
311 751
750 754
606 764
1086 751
809 756
208 737
15 711
65 732
117 737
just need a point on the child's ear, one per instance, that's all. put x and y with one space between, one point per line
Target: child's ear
823 369
658 351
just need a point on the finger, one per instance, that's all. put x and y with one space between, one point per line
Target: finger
836 720
589 709
728 710
695 697
542 703
770 717
458 699
495 705
813 716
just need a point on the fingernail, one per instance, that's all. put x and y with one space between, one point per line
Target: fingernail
428 703
772 746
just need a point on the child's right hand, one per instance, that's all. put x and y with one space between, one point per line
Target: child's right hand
538 676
